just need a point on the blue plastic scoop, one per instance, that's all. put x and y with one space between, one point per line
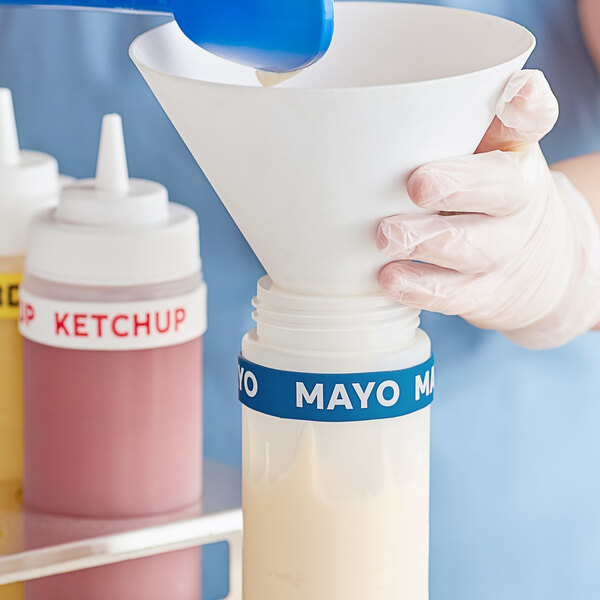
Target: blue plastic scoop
271 35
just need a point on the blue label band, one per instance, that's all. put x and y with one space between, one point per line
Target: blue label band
335 397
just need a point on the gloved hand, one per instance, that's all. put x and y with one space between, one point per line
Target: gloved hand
510 245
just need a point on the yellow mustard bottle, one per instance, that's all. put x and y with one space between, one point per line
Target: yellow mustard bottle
29 182
11 390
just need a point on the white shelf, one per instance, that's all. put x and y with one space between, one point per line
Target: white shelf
34 545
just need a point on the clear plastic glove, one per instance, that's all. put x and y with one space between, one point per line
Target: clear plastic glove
510 245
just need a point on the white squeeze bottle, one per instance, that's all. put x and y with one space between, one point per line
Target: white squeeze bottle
336 394
113 312
29 181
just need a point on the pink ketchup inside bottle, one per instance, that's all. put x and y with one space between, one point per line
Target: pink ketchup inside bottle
112 433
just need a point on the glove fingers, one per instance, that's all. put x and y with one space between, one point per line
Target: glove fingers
472 244
526 112
487 183
427 287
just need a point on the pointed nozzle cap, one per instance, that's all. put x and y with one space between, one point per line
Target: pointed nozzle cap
29 181
111 169
112 230
112 199
9 141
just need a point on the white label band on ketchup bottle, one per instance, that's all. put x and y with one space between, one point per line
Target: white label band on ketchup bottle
113 325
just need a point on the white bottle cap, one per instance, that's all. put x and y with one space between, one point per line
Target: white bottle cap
112 230
28 182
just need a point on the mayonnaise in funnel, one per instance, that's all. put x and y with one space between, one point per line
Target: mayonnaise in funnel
268 79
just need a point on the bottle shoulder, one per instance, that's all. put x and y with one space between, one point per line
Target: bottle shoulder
413 352
89 293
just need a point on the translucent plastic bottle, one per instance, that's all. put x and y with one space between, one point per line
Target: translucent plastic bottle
113 308
29 181
11 390
335 449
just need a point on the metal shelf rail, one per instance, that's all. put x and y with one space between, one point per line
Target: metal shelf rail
35 545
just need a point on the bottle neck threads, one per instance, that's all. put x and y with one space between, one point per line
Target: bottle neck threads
331 323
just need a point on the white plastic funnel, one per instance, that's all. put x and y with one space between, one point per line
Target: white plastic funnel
309 168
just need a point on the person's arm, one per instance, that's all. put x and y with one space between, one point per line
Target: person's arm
589 16
584 171
584 174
